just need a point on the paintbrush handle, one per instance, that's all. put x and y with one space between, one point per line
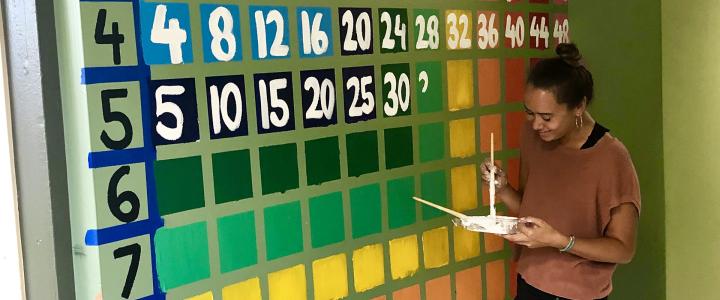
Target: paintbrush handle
447 210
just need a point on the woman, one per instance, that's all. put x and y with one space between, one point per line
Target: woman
579 198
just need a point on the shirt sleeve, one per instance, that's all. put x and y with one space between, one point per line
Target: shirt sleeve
619 185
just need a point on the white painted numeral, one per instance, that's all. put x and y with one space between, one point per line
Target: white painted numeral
323 95
277 49
362 26
399 93
275 102
432 29
219 35
458 40
487 32
515 32
359 86
539 31
315 41
561 31
423 77
162 107
400 30
219 107
173 36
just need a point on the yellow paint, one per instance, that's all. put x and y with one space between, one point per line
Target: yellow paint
464 187
436 248
330 277
368 267
205 296
467 243
245 290
462 137
288 284
460 84
404 257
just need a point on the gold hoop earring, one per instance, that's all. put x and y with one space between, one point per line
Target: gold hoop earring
579 124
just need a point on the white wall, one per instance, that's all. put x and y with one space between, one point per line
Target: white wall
11 283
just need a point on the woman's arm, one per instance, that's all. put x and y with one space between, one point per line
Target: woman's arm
503 191
617 246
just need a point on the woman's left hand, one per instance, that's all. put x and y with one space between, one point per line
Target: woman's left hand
536 233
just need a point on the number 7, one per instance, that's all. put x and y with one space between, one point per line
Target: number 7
132 250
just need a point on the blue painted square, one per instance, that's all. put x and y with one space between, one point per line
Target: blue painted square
227 111
314 31
269 31
174 111
172 36
221 32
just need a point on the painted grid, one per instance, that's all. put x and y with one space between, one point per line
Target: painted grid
270 237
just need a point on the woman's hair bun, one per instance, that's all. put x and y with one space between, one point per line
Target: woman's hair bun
569 53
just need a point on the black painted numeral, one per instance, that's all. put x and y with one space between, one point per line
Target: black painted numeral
114 38
133 251
115 116
115 201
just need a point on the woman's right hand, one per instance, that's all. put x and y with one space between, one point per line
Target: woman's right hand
501 180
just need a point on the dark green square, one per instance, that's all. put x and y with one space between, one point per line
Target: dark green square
365 210
231 176
327 220
394 13
429 87
433 188
362 152
396 90
322 159
398 147
237 242
179 184
283 230
432 142
278 168
401 206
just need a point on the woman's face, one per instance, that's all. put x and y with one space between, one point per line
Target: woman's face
551 120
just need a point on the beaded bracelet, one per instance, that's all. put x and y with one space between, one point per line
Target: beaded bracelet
570 244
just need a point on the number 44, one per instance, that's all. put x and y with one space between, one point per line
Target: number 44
539 31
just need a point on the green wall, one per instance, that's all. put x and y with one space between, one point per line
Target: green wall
621 41
690 112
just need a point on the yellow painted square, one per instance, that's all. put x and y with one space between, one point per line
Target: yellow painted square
404 257
459 29
330 280
205 296
245 290
436 248
460 84
288 284
467 243
462 137
463 181
368 267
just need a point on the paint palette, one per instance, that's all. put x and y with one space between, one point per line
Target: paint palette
488 224
241 150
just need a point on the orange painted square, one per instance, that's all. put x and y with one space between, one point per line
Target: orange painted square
513 172
513 278
486 188
514 79
488 124
468 284
489 81
495 275
493 243
379 298
514 122
438 288
408 293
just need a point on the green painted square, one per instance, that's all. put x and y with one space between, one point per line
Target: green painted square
237 242
396 90
179 184
365 210
429 89
327 219
433 188
181 254
400 39
322 160
401 206
362 153
283 230
432 142
231 176
278 168
398 147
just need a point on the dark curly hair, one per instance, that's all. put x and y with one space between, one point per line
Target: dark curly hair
565 75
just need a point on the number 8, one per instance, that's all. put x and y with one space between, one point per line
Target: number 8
220 35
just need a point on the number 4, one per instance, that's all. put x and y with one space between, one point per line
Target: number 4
114 38
173 36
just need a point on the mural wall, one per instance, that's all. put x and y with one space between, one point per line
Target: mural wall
269 149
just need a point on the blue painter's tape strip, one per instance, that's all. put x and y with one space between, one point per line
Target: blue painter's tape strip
160 296
106 0
116 157
94 75
97 237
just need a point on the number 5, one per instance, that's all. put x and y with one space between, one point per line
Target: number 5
171 134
